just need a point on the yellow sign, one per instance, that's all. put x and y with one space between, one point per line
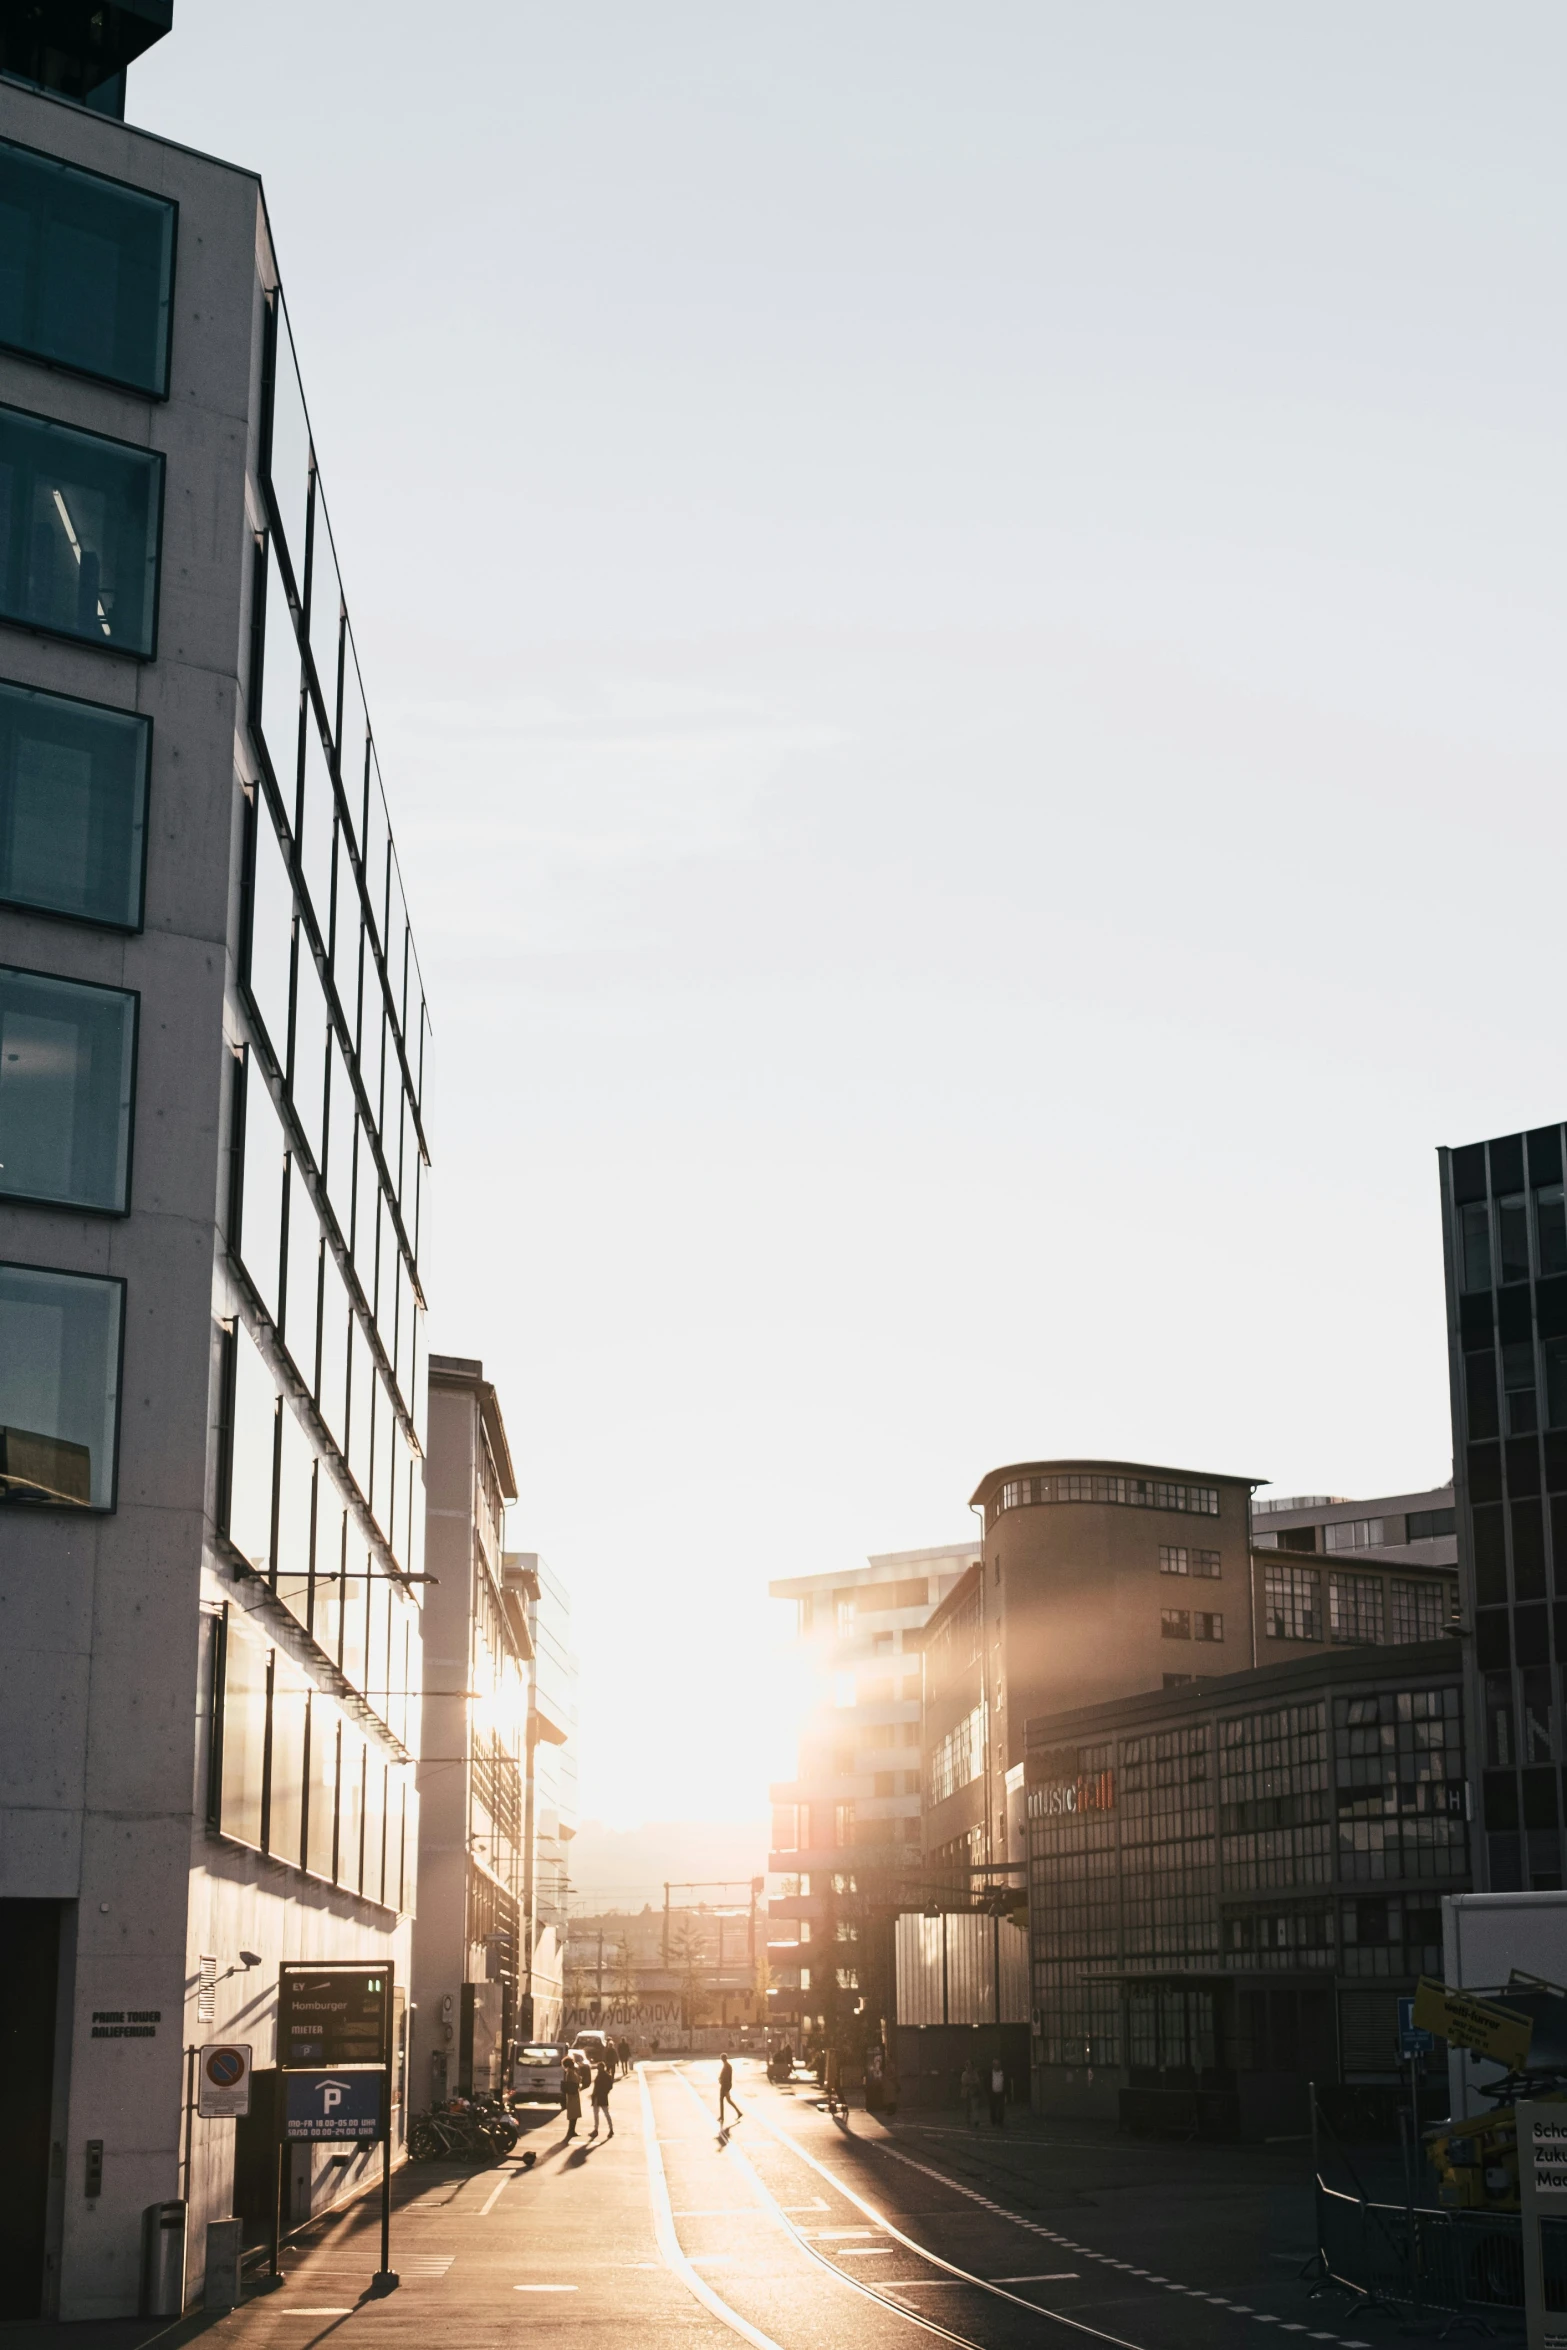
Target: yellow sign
1500 2033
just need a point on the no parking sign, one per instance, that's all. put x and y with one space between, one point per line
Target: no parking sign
223 2081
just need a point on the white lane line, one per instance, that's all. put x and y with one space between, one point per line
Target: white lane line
669 2242
288 2309
1083 2251
495 2194
544 2288
1052 2276
787 2139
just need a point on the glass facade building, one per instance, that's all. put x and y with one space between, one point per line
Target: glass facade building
1505 1238
1230 1886
213 1185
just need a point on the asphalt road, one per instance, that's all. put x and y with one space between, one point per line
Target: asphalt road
792 2232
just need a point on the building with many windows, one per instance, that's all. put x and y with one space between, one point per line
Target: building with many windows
550 1826
468 1937
1098 1578
1329 1573
846 1831
212 1192
1231 1883
1504 1226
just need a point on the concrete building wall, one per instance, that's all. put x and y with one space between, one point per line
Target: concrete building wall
109 1623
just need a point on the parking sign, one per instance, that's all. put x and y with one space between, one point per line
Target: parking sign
223 2081
341 2107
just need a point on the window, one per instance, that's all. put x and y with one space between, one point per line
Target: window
1355 1608
73 807
1518 1387
243 1732
1427 1525
86 270
1175 1623
1138 1493
1555 1350
59 1387
1512 1234
1206 1562
1298 1538
1550 1228
1292 1602
1179 1680
1480 1396
843 1823
1174 1559
80 523
1475 1243
959 1757
1355 1534
67 1067
1207 1627
1419 1610
1019 1492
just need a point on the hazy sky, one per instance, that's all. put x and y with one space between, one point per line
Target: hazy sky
964 610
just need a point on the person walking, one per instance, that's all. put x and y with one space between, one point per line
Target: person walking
571 2093
998 2094
968 2083
624 2053
603 2082
726 2082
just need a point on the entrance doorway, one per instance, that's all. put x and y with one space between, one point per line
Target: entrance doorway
29 1985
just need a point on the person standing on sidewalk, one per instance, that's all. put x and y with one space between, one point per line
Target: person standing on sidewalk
726 2082
571 2093
998 2094
603 2082
968 2083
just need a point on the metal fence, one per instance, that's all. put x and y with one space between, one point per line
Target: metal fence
1454 2263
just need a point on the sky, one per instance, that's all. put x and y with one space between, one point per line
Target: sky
962 609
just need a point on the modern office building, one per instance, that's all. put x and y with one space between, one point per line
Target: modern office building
212 1160
1232 1883
1098 1578
1329 1573
1504 1227
468 1938
550 1823
853 1812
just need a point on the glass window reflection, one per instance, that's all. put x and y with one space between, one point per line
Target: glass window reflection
80 521
288 450
67 1067
59 1388
86 270
244 1746
73 807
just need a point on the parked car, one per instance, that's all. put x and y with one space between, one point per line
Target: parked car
594 2045
536 2073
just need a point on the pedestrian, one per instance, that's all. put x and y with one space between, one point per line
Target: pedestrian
603 2082
998 2094
571 2093
624 2053
968 2083
726 2082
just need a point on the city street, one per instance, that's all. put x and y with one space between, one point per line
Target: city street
793 2231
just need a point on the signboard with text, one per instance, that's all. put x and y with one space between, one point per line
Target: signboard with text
1542 2192
333 2015
1499 2033
223 2081
339 2107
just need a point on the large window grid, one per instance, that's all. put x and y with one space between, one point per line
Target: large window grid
1399 1773
1355 1609
1138 1493
1292 1602
1270 1765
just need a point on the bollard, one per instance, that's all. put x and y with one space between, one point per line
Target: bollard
224 2244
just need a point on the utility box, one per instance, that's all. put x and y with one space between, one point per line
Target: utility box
163 2260
225 2240
1484 1937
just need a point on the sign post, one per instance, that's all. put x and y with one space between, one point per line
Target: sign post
1542 2191
334 2038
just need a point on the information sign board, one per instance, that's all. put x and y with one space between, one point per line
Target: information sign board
333 2015
340 2107
223 2081
1542 2191
1413 2039
1463 2021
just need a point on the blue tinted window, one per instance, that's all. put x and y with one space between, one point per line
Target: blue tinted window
67 1068
73 807
80 519
59 1387
86 270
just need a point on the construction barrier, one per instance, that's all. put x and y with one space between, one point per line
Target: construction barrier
1442 2263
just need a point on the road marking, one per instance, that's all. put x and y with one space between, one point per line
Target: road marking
291 2309
545 2288
863 2251
1054 2276
669 2242
495 2194
787 2139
